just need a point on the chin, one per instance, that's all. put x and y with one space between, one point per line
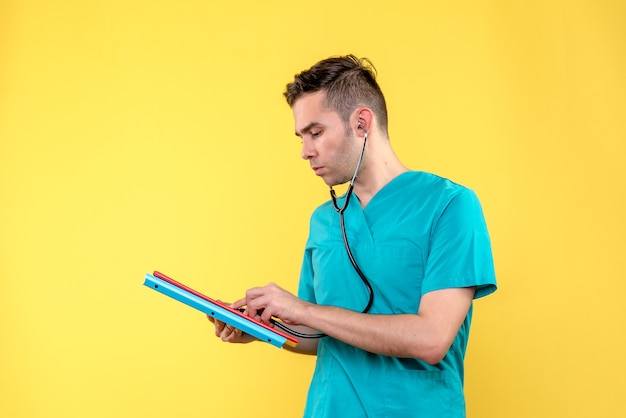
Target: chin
331 182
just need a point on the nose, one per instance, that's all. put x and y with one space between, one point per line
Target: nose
308 151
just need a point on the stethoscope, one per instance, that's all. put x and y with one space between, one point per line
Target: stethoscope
340 211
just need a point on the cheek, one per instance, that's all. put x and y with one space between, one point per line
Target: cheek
346 151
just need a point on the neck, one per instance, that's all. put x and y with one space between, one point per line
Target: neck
379 168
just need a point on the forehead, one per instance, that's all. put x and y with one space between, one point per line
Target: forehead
308 110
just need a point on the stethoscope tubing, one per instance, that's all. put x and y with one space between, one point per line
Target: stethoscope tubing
340 211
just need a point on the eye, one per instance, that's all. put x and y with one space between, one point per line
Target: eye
316 134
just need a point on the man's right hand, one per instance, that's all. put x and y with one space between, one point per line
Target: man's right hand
229 333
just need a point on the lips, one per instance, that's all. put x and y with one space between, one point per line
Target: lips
317 169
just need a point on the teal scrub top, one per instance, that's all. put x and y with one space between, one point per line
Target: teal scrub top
418 234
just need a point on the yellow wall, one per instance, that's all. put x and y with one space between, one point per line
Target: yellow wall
141 135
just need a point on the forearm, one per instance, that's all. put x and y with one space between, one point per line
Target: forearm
391 335
426 335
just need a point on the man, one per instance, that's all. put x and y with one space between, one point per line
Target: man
394 324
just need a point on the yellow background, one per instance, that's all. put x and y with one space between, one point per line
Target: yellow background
142 135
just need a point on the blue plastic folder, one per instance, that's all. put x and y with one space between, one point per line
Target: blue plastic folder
219 311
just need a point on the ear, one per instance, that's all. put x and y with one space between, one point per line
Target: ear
364 118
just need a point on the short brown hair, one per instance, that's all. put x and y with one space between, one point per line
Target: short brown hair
349 82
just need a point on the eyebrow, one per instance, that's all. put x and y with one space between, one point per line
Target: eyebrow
308 128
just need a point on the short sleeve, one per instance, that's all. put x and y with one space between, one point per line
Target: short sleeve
460 248
305 286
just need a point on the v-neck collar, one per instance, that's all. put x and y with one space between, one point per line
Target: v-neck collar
359 216
387 188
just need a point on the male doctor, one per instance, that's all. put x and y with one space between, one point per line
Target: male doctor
389 305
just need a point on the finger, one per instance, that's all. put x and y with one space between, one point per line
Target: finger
219 327
239 303
251 312
224 333
255 300
229 334
256 306
237 334
266 316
